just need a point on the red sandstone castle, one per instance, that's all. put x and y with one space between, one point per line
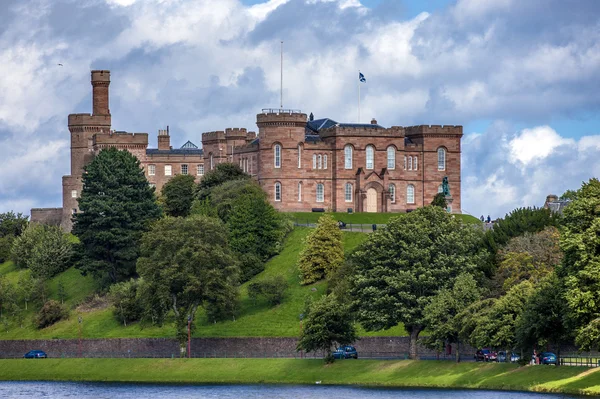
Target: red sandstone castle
301 163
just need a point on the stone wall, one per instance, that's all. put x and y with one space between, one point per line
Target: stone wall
381 347
49 216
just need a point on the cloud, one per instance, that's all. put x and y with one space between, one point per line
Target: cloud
536 144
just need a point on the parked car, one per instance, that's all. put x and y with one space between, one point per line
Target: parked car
35 355
345 352
548 358
513 357
486 355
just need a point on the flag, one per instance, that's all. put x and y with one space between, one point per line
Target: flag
361 77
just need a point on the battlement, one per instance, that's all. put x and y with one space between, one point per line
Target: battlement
434 129
89 120
279 116
100 76
213 136
121 138
236 132
362 130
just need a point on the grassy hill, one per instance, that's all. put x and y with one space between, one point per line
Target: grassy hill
363 217
253 320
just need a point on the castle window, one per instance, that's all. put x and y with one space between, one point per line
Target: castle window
212 164
184 169
168 170
405 162
73 193
440 189
348 192
320 192
151 170
391 157
277 191
314 161
277 154
409 163
370 157
200 170
324 161
441 159
348 157
415 163
299 156
392 189
410 194
320 159
299 191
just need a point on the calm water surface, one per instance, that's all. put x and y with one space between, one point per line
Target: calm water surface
60 390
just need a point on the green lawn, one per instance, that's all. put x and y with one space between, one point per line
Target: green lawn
393 373
362 218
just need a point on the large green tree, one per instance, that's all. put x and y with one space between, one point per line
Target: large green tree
222 173
177 195
401 267
117 206
186 264
11 226
327 325
323 253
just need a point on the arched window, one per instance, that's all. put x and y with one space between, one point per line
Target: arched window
277 191
320 192
441 159
415 163
370 151
299 191
410 194
348 192
348 157
392 189
314 161
277 155
212 164
324 161
391 157
409 163
440 189
320 159
405 162
299 156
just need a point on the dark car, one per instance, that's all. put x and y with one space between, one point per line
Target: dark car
548 358
485 355
35 355
345 352
513 357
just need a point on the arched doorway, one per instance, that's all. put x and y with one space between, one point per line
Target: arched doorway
371 200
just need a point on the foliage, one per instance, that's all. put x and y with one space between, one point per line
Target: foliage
26 287
23 245
222 173
580 268
400 268
61 292
51 254
6 243
11 226
223 196
123 296
50 313
440 200
323 253
177 195
569 195
250 266
187 263
441 313
203 207
327 324
7 296
272 289
117 206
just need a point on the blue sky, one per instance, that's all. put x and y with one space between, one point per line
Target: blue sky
520 76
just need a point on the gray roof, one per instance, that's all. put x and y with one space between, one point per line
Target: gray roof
179 151
558 206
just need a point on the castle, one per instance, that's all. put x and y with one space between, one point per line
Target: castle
302 163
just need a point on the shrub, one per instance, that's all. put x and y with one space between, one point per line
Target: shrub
23 245
124 298
323 253
51 312
272 290
250 266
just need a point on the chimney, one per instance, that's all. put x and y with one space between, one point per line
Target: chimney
551 198
100 83
164 140
373 121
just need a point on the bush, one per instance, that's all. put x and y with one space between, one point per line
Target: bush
323 253
51 312
23 245
272 290
124 298
250 266
6 243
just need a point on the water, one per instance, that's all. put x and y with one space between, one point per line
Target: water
62 390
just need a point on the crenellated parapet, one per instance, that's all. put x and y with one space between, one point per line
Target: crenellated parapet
439 130
281 117
88 122
211 137
121 140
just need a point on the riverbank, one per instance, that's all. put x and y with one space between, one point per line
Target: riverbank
389 373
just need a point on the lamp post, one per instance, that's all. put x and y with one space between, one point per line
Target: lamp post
189 335
80 322
301 351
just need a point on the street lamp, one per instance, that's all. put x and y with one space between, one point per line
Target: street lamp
189 335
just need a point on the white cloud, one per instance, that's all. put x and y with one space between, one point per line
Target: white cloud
534 144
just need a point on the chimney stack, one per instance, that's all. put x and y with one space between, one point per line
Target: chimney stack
100 83
373 121
164 140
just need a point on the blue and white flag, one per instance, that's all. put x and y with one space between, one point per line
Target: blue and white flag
361 77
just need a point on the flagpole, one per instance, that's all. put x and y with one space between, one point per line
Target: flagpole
281 82
358 97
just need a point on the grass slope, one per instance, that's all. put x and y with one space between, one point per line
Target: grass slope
392 373
363 218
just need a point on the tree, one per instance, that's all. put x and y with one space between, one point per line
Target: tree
441 313
11 226
117 206
127 306
187 263
326 326
220 174
569 195
22 248
580 240
177 195
223 196
61 292
26 287
440 200
50 313
323 252
7 295
401 267
51 253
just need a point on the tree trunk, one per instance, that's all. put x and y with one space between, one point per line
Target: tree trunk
414 335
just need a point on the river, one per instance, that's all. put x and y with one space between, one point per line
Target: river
71 390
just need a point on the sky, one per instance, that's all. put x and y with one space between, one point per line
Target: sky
521 77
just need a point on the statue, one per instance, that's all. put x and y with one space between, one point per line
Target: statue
446 186
311 117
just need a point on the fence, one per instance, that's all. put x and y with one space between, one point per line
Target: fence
575 360
353 227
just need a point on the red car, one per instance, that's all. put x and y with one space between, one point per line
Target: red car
486 355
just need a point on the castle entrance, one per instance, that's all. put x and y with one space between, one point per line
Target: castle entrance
371 200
